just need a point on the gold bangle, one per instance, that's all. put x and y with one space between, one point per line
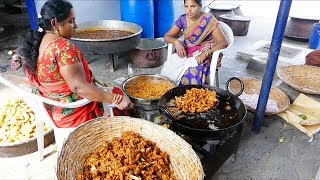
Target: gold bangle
198 61
117 98
114 99
210 52
207 53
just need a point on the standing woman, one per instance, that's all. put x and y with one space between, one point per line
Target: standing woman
58 70
202 36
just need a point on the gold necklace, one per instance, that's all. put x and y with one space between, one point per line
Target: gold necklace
55 33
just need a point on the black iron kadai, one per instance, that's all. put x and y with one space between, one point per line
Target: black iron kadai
211 124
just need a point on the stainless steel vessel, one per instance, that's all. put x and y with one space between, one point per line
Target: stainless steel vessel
149 53
109 46
299 28
146 104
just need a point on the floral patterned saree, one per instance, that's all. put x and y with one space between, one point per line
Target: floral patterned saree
59 53
198 38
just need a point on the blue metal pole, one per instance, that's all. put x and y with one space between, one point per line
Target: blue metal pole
32 12
274 51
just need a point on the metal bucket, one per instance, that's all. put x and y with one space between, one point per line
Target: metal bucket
150 53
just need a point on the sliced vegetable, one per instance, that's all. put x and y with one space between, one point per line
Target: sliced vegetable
282 138
302 116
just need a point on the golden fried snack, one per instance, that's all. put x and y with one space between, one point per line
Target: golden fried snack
197 100
128 157
17 122
102 34
147 88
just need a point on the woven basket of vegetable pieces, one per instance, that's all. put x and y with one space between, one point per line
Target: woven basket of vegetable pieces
278 101
18 128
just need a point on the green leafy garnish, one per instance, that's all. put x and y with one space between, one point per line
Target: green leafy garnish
302 116
282 138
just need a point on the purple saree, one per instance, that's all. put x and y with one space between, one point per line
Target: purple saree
197 38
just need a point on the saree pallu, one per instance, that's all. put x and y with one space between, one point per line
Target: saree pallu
198 39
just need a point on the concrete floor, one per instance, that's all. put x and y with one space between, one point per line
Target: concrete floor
260 156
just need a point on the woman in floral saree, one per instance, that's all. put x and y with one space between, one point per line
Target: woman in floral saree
58 70
202 36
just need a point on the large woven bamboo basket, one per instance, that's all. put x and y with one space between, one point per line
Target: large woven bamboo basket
252 87
303 78
87 137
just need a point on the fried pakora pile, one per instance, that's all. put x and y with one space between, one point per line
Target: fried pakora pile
128 157
197 100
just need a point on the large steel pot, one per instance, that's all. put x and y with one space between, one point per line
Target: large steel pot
146 104
150 53
109 46
299 28
224 8
238 24
190 126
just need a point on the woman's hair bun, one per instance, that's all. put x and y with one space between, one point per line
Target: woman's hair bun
41 22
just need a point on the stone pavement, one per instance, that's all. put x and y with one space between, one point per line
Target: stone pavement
260 156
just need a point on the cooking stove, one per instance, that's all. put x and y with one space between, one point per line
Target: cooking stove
149 115
212 153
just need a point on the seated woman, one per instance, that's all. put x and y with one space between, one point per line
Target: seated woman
58 70
202 36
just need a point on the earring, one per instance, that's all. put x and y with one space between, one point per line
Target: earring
57 31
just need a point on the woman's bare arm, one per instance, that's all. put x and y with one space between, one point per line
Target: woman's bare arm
220 39
74 76
220 43
170 37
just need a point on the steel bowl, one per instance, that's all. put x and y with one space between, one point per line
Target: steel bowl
109 46
146 104
24 147
150 53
